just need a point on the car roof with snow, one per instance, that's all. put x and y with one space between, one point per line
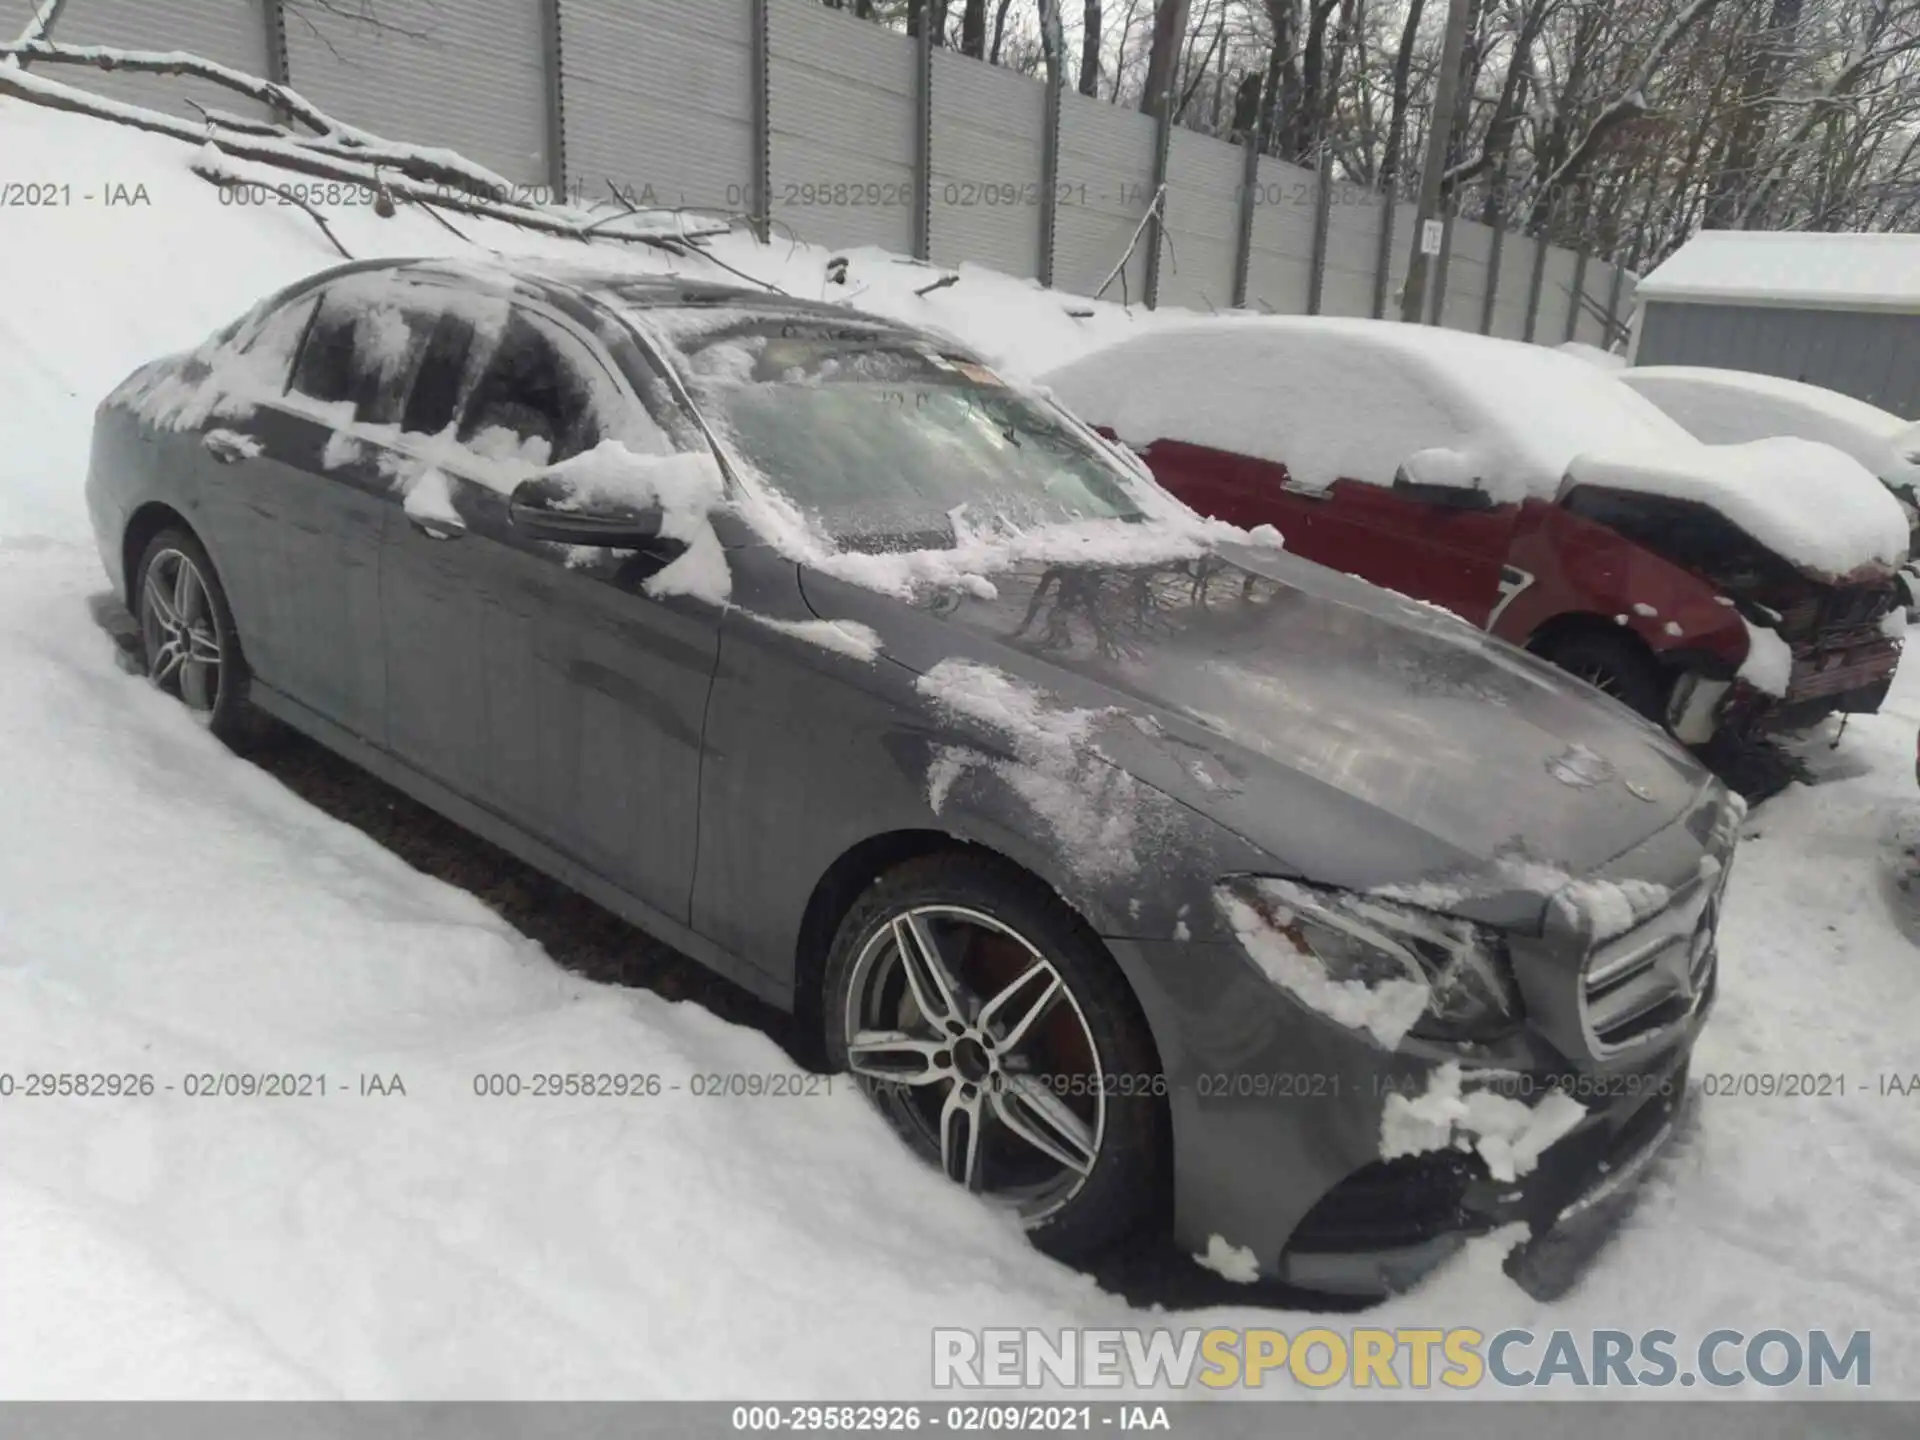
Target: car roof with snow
579 288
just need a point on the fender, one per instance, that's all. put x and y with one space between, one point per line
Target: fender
1571 566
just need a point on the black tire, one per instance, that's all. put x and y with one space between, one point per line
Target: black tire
1125 1187
222 705
1616 666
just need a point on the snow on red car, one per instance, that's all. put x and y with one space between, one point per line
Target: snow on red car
1718 589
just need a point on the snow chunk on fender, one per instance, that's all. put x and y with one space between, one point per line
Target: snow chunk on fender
686 487
1094 809
1509 1135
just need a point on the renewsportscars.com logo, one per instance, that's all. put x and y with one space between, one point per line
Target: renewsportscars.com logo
1368 1357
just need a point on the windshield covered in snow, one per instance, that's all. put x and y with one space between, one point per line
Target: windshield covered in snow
886 442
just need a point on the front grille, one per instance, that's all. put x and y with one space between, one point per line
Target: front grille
1638 984
1856 606
1830 614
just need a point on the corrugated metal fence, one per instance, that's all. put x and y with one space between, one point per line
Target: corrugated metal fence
845 133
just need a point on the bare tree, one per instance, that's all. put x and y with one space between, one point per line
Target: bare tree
1090 48
1169 30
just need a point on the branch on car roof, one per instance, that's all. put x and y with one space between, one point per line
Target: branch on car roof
440 167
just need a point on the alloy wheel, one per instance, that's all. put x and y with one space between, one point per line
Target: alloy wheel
975 1048
184 653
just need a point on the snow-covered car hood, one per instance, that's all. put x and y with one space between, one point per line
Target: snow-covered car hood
1358 737
1817 508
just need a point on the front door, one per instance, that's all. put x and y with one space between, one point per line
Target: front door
537 680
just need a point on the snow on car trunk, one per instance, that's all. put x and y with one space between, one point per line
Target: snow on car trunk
1816 508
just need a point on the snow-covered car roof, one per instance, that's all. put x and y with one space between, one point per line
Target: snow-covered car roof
1791 269
1332 398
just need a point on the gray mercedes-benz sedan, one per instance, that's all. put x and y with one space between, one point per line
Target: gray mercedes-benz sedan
1144 875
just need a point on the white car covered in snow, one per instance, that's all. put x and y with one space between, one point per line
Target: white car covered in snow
1728 407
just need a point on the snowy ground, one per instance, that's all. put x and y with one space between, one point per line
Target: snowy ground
168 909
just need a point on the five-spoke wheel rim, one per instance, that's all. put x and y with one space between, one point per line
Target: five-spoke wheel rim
182 639
971 1042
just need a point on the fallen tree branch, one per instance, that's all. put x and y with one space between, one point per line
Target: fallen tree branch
292 155
330 136
213 167
1156 207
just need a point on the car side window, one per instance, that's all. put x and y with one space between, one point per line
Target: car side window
538 399
368 344
324 371
272 344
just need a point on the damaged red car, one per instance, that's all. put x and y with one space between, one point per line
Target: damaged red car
1725 591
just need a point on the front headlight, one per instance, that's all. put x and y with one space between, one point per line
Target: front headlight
1376 965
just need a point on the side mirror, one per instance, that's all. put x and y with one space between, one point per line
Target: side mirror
544 508
1442 478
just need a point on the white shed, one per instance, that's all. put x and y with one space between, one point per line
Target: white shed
1839 310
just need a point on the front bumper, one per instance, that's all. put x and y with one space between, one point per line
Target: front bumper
1384 1228
1829 678
1290 1146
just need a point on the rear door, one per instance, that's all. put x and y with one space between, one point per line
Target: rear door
536 680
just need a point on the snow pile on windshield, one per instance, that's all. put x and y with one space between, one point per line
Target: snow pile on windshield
799 461
1093 809
1508 1134
1386 1009
1815 507
686 489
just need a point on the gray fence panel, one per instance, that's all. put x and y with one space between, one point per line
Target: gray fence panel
1556 294
469 78
1406 230
1353 250
1591 323
1511 285
1203 221
1467 263
987 129
1280 265
234 32
842 117
1106 185
659 100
